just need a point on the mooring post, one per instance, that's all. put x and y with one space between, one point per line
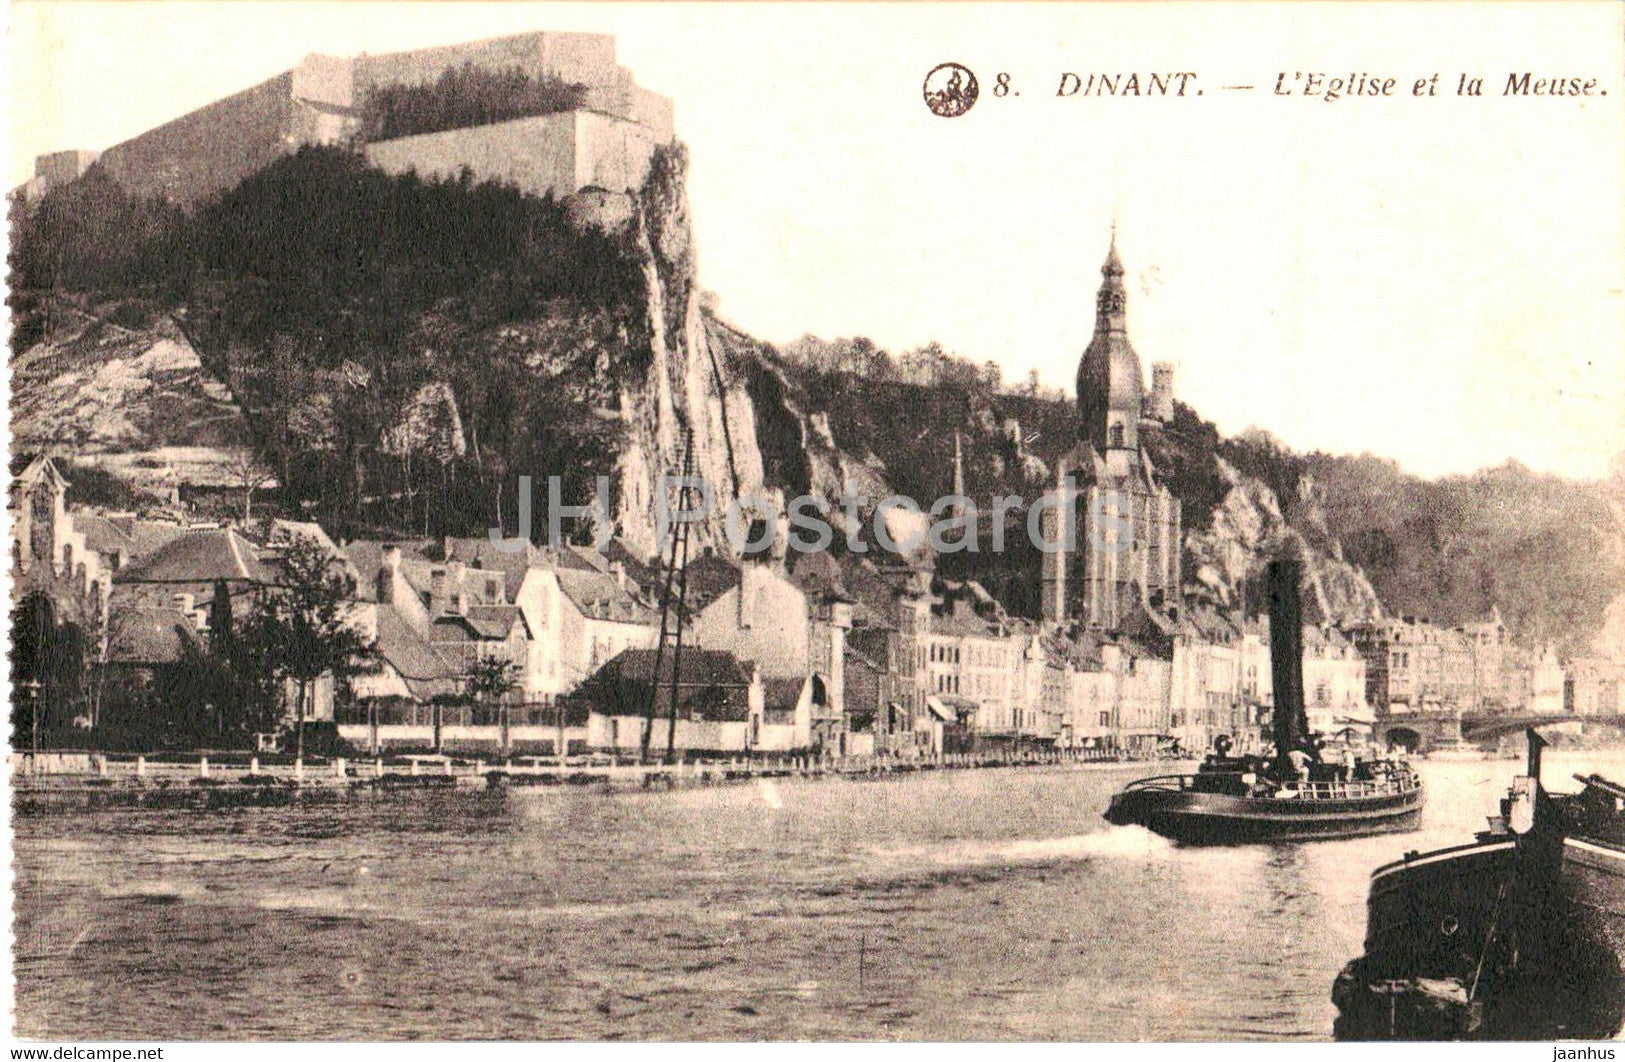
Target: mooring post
203 766
378 767
414 767
101 766
253 766
299 769
140 766
340 767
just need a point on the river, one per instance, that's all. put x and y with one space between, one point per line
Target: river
984 904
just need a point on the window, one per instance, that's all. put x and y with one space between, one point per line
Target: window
1117 435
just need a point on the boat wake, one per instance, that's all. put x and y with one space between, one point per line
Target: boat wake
1114 842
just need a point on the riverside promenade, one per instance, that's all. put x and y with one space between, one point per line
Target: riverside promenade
66 780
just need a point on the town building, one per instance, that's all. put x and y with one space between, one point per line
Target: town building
51 555
720 705
1547 684
1487 649
1595 687
756 611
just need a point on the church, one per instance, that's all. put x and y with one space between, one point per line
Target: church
1120 563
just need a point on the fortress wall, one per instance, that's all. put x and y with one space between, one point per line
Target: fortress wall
558 153
611 153
325 79
209 150
623 98
654 111
61 167
583 58
310 123
537 154
579 58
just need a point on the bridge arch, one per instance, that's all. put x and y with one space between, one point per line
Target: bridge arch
1403 737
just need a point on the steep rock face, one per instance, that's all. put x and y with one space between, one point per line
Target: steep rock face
689 389
96 386
1225 562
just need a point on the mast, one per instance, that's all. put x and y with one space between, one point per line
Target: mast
675 576
1286 659
680 552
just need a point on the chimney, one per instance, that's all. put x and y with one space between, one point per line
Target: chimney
388 571
618 570
455 574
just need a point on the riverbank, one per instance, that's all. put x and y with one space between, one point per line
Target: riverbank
74 781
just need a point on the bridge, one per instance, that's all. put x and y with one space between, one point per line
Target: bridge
1421 732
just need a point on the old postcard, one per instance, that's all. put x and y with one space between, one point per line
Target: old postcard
754 522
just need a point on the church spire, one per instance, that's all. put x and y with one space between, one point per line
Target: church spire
1111 303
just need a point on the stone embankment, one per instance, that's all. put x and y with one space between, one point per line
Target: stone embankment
69 781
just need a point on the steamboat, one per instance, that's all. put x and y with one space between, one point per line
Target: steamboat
1294 796
1518 935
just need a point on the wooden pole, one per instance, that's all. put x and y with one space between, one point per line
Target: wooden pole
685 497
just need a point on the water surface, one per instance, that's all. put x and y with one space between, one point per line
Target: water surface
990 904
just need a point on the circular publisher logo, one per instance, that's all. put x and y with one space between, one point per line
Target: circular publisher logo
950 90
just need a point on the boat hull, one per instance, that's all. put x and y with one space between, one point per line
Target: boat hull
1504 939
1594 895
1220 819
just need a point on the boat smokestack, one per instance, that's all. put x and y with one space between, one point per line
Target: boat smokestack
1535 744
1286 658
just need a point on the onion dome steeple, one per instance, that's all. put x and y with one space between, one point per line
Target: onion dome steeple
1109 379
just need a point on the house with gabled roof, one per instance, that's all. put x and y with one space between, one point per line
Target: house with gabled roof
718 700
792 626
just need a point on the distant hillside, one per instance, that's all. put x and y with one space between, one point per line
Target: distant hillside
399 352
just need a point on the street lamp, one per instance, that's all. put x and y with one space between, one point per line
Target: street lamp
34 688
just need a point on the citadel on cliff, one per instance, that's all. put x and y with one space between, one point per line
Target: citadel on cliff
604 140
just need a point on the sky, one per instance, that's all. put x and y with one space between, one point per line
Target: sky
1435 279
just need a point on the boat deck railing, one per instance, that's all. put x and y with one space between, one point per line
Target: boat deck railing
1402 781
